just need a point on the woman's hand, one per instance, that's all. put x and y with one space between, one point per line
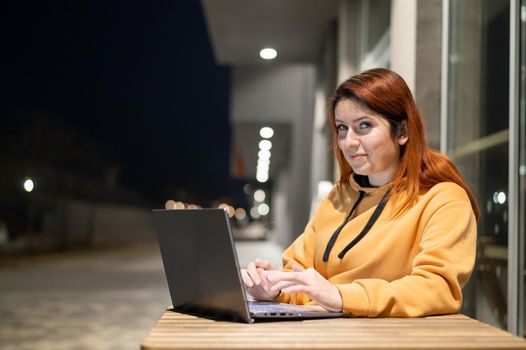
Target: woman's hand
307 281
256 283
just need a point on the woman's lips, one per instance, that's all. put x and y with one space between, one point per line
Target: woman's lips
358 156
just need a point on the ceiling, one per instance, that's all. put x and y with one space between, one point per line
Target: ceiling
239 29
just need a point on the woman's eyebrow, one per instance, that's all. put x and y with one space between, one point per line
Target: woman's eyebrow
354 120
359 119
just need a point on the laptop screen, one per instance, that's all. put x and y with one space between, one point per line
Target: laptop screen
200 262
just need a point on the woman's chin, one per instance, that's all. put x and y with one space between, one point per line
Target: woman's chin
360 171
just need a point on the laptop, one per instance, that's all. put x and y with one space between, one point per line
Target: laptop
203 273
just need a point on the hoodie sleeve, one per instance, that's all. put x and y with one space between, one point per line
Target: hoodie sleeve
301 252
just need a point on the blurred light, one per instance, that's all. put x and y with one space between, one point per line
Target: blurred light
268 53
228 208
247 188
262 169
170 204
179 205
240 213
29 185
264 154
254 213
488 206
522 170
501 198
265 145
266 132
264 162
259 195
192 206
263 209
262 177
231 211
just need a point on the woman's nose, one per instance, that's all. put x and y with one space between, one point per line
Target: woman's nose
351 139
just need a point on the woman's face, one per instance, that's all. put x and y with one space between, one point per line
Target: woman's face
365 139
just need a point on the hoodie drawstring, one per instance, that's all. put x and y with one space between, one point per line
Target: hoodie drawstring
376 214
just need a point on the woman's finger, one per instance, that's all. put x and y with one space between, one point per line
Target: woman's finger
246 278
279 286
263 280
295 288
253 273
265 264
275 276
297 268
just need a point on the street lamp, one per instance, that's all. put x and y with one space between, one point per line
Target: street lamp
29 185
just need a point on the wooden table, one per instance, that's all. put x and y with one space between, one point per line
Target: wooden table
179 331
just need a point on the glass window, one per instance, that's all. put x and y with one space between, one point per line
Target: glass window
522 150
478 98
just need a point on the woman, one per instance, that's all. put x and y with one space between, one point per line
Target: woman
396 235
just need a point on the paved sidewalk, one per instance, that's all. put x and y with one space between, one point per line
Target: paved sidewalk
97 299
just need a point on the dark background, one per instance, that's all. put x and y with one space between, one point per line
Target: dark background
113 100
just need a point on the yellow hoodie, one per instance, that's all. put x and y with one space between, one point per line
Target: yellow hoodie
408 266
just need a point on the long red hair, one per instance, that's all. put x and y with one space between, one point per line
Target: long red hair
420 168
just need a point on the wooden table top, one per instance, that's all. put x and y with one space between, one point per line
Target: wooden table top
179 331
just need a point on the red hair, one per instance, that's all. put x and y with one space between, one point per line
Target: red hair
385 92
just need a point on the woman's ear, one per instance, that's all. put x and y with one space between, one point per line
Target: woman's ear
403 134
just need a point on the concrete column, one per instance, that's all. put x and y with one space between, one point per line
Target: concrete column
348 39
403 39
428 70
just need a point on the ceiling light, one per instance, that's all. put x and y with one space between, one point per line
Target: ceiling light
262 177
264 154
268 53
266 132
265 145
264 162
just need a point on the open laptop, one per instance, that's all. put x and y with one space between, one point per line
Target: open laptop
202 269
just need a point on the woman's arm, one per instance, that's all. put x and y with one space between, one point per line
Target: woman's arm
440 269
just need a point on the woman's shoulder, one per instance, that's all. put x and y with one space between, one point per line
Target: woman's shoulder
340 195
446 191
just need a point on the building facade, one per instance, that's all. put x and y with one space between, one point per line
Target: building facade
465 64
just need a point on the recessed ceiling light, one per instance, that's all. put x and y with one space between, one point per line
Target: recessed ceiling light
265 145
266 132
268 53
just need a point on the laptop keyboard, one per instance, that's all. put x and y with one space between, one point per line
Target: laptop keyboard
256 307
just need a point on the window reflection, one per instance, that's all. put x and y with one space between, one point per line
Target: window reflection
478 140
522 151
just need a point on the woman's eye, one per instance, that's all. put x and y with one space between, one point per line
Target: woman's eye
364 125
341 127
